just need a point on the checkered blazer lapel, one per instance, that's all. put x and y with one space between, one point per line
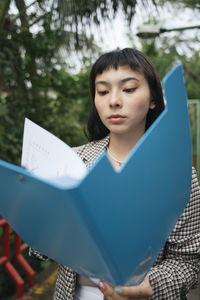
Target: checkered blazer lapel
91 151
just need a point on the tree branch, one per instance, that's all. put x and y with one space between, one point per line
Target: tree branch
3 12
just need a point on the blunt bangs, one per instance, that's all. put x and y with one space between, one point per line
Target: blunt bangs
114 60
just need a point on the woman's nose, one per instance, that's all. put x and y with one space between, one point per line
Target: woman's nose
115 100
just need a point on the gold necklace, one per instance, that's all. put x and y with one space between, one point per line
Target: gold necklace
115 159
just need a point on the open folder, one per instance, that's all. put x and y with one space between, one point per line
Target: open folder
109 225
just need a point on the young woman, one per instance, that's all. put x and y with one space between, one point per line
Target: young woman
127 98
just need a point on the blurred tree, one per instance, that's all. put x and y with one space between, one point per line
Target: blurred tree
35 38
165 56
174 47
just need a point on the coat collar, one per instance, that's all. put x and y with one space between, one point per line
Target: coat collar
91 151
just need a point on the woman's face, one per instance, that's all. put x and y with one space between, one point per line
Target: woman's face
122 100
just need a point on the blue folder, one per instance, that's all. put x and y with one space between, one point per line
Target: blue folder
110 225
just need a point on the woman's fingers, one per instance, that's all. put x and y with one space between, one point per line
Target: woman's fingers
108 291
135 292
142 291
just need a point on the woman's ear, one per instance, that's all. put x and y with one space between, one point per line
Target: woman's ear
152 105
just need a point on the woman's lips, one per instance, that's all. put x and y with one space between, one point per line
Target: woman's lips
116 118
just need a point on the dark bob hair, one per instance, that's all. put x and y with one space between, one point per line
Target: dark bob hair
137 61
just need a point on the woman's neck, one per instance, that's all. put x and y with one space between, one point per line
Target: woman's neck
120 145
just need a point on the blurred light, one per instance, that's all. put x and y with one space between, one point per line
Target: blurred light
152 31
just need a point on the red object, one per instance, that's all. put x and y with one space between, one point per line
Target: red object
19 248
5 259
6 241
16 277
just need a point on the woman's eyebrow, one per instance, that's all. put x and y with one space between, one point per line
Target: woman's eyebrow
102 82
120 81
129 78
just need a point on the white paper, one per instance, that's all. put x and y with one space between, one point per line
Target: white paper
46 156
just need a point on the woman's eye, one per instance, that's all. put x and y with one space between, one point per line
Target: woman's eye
129 90
102 93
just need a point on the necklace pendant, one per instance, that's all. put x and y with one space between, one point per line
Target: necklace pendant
114 159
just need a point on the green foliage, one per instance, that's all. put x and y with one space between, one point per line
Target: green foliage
60 104
34 83
166 50
165 56
70 107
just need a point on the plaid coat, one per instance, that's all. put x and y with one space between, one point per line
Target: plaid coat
176 268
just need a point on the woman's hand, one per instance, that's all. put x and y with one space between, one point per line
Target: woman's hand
139 292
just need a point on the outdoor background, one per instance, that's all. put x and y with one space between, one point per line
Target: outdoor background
46 51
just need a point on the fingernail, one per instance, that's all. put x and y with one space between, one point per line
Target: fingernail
118 290
102 285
